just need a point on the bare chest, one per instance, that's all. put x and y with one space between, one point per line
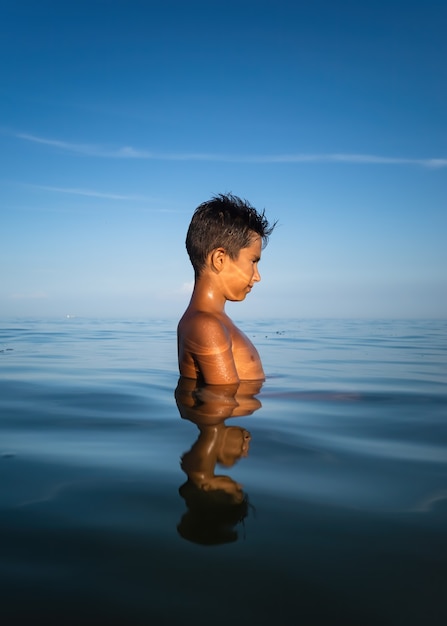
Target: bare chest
246 357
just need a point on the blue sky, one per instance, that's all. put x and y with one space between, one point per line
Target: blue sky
119 117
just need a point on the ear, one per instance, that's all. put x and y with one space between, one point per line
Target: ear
217 259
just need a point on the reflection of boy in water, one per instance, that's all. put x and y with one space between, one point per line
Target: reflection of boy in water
216 503
224 242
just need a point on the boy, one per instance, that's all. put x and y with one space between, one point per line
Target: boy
224 243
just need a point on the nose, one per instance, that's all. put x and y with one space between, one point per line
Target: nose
256 275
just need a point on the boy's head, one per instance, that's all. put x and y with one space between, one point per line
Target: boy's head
226 222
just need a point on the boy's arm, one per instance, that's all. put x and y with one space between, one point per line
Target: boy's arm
209 343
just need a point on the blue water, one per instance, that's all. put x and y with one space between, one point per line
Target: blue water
341 515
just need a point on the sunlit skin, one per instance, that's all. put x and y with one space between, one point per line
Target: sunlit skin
210 346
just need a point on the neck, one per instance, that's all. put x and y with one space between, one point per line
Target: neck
205 296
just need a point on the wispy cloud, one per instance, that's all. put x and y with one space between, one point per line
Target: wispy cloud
91 193
128 152
40 295
187 287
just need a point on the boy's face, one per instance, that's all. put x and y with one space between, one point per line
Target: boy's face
239 275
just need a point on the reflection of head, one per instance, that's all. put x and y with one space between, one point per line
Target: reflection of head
234 444
212 514
226 222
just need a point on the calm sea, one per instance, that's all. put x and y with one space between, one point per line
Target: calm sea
320 499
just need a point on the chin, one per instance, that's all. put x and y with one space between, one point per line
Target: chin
237 298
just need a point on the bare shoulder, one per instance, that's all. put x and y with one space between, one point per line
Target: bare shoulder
205 348
203 328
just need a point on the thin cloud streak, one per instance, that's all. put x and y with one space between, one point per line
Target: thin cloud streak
40 295
90 193
127 152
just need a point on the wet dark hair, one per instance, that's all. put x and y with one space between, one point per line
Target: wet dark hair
225 221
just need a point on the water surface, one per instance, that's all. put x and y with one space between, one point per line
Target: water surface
343 512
